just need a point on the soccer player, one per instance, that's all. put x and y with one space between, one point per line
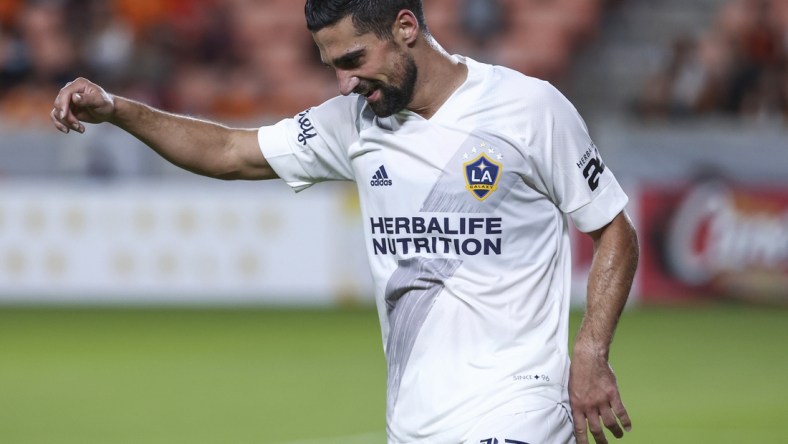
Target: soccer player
467 175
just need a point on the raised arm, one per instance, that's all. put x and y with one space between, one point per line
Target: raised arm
593 390
200 146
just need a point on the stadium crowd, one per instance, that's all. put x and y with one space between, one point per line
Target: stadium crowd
738 66
243 59
246 59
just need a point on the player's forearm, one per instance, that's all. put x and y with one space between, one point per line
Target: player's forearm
196 145
609 282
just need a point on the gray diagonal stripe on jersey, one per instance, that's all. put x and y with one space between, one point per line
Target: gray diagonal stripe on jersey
449 194
410 294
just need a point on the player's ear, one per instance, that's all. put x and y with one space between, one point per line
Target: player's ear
406 27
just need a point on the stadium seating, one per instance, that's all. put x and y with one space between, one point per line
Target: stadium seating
245 59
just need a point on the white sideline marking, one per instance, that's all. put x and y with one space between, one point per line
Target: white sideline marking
366 438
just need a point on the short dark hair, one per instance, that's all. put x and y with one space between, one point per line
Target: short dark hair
375 16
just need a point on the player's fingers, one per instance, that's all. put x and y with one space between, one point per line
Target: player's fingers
63 100
88 99
73 123
581 436
621 413
79 101
60 127
609 420
595 427
71 96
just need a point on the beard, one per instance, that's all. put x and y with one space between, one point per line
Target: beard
394 97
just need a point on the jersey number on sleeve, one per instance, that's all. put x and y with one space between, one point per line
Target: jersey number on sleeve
594 168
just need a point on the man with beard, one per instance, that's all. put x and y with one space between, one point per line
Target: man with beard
467 174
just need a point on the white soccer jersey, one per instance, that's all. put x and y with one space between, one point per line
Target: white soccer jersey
466 232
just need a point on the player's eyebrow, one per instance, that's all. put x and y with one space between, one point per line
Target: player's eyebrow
348 59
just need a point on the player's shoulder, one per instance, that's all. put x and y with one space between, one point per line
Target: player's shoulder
340 113
514 88
340 107
521 104
533 91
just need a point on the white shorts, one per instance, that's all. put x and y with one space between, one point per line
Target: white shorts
552 425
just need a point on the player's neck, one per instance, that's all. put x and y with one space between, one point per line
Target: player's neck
439 76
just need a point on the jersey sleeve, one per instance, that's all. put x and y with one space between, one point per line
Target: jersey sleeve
570 167
312 146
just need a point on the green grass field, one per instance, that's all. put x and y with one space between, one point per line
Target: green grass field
697 375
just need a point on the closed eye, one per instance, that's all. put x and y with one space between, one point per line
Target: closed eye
350 60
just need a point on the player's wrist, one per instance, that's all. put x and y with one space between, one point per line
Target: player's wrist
119 110
591 350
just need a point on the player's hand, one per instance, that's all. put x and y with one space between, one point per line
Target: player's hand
81 101
594 395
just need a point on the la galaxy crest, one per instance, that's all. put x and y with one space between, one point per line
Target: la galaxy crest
482 173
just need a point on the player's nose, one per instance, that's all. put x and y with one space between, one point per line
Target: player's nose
347 82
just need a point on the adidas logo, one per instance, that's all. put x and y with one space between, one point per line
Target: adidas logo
381 178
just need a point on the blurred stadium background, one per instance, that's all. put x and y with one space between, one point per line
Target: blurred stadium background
139 303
